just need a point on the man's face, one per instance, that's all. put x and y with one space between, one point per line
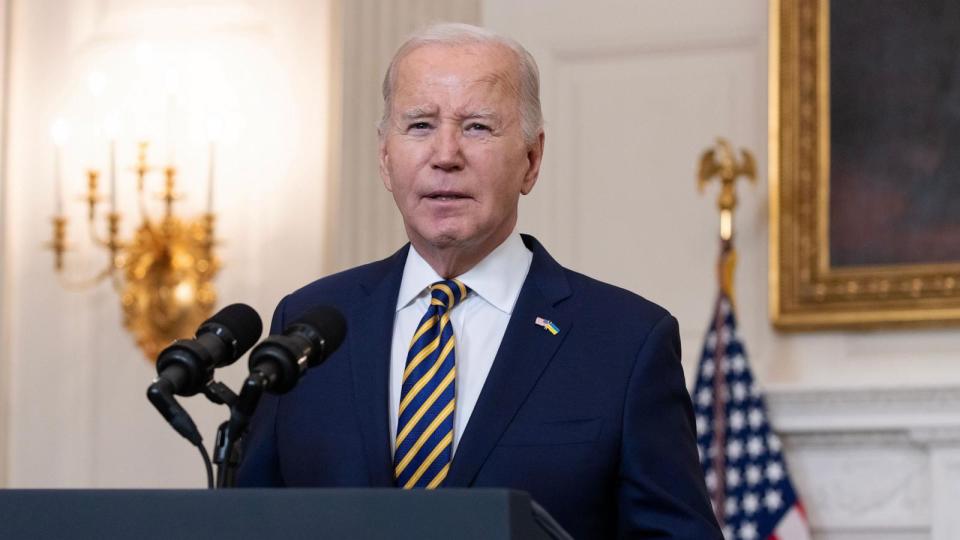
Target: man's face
453 153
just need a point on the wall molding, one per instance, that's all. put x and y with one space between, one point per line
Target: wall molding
799 411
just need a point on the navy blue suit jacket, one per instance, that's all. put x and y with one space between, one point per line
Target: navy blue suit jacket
595 422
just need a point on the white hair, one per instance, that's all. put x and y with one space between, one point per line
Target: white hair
453 34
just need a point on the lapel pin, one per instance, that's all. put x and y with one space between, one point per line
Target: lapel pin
548 325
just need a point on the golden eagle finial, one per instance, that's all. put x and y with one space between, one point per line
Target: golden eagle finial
721 162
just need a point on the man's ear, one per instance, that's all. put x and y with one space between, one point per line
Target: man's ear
384 161
534 159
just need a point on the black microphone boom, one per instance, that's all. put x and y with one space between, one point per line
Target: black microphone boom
307 342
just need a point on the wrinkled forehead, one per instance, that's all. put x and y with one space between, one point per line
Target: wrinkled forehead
464 70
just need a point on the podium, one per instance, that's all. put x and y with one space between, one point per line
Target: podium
262 514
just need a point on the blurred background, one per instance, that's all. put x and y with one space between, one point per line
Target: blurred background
284 96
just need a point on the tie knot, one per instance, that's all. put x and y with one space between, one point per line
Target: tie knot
448 293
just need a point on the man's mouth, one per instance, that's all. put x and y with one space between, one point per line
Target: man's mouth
446 196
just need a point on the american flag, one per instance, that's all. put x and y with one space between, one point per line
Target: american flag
741 456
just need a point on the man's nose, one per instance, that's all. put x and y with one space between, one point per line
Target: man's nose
447 151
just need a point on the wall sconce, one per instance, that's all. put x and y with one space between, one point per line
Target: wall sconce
164 272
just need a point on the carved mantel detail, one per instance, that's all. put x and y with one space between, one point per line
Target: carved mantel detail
873 462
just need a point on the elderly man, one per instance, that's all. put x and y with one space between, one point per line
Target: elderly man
473 358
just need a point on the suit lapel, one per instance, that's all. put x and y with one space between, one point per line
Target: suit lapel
525 351
371 336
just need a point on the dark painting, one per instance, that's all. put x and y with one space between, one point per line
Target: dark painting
895 132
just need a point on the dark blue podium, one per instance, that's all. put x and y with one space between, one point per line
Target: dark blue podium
261 514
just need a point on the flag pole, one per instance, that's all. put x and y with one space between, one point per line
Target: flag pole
721 162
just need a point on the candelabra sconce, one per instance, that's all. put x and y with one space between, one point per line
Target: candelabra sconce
164 272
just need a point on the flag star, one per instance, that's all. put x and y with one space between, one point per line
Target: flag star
731 507
748 531
707 368
725 334
711 340
739 363
755 447
702 425
737 420
728 532
756 418
751 503
773 443
711 479
700 452
739 391
755 391
754 475
734 449
733 477
704 397
772 500
774 472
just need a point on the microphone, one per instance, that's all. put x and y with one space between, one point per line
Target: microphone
188 364
280 360
276 365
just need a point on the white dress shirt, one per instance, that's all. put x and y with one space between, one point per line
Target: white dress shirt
479 322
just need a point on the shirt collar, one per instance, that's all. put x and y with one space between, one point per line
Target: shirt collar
497 278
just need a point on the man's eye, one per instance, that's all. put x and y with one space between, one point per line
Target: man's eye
477 126
418 126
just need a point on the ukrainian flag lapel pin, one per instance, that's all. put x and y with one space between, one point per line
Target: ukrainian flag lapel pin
548 325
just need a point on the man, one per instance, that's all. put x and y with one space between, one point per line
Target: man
472 358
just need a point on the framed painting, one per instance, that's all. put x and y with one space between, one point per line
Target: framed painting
864 163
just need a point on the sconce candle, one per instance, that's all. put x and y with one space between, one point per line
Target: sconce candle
113 175
210 175
59 133
172 84
57 181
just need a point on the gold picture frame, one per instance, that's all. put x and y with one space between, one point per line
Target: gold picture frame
806 290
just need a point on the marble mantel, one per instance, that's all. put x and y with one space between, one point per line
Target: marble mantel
874 463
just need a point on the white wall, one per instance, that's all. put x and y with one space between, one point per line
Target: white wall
76 406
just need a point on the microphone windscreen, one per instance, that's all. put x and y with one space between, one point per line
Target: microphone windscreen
328 322
243 322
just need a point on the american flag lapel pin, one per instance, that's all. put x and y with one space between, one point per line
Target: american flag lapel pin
547 325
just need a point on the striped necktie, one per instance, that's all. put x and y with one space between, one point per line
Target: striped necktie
428 394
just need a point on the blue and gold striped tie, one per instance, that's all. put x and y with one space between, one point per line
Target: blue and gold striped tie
428 394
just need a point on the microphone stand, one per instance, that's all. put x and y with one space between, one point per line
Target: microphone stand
223 454
226 456
226 453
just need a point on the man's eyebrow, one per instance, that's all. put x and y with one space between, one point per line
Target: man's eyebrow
419 112
481 113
